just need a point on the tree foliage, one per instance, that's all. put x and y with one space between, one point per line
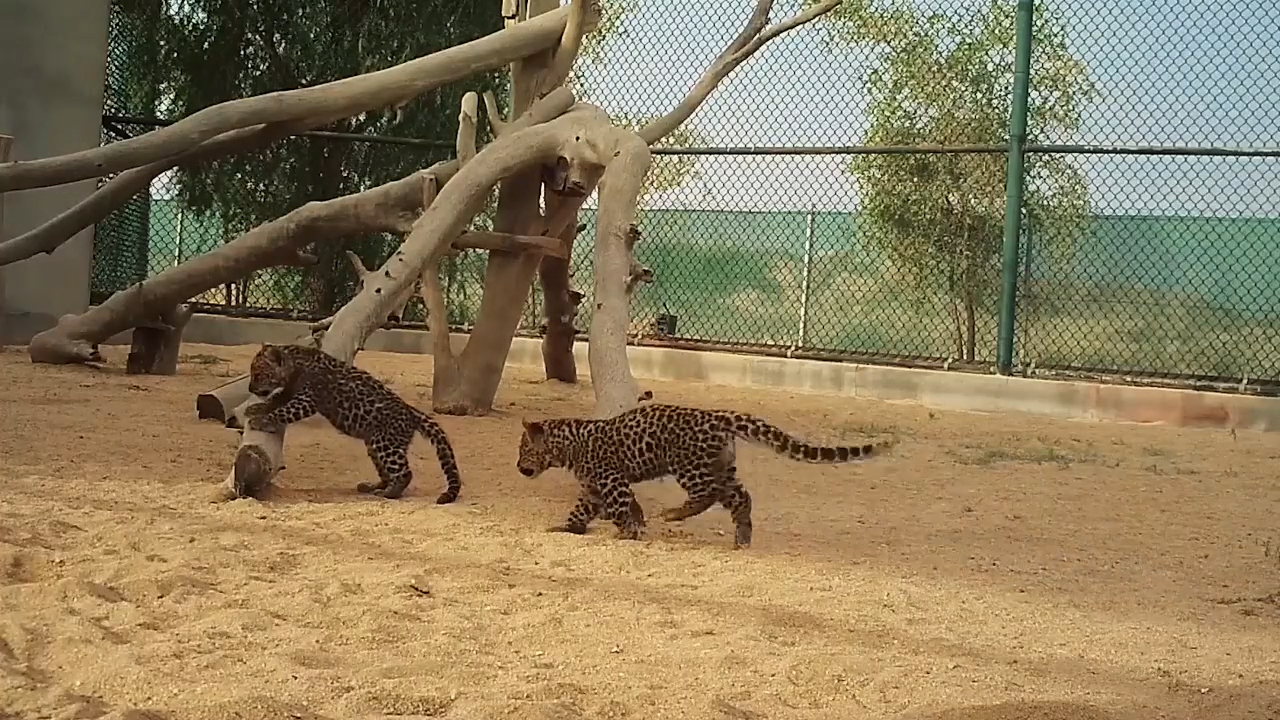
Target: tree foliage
947 80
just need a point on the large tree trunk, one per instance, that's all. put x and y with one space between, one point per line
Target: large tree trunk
611 378
560 309
507 276
157 345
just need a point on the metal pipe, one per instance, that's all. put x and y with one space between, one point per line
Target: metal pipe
1015 177
802 332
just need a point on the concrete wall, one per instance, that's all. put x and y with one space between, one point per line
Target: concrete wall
931 388
53 54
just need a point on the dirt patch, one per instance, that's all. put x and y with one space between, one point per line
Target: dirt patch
988 568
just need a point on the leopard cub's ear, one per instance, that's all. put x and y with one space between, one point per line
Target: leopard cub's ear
271 352
535 430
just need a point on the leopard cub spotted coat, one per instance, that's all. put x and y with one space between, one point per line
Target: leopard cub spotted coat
696 446
356 403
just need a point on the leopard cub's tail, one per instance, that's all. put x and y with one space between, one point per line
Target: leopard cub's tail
444 454
754 429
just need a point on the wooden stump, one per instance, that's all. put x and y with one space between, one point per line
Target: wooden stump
156 343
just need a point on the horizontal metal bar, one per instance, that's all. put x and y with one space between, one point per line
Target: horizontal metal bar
117 120
1063 149
974 149
1153 150
837 150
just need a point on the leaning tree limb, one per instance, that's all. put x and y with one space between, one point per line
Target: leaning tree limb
386 208
341 98
53 233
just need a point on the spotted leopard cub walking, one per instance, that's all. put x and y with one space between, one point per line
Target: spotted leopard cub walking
356 403
696 446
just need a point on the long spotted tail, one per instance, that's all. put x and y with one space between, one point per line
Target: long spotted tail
444 453
756 430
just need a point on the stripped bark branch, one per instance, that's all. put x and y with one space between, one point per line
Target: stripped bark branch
340 98
386 208
497 125
52 234
570 42
751 39
467 120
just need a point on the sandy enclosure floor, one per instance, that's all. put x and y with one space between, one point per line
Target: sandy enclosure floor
989 568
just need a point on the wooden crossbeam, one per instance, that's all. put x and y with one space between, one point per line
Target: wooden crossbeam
485 240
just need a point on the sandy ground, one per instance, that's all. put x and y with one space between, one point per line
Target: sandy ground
990 568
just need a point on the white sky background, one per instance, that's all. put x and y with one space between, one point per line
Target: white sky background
1186 73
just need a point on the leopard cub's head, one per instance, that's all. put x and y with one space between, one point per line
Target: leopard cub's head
535 454
270 370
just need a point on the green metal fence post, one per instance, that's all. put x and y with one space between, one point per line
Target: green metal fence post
1014 177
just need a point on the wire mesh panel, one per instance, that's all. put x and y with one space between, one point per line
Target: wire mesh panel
844 192
1172 271
1181 286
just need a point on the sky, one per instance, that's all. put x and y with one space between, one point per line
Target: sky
1186 73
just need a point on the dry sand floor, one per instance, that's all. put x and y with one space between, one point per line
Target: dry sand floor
989 568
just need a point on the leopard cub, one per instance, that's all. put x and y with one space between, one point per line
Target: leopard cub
651 441
356 403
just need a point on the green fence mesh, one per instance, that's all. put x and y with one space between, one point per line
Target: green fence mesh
844 192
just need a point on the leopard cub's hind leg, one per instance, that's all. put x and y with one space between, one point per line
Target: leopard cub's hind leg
735 498
703 489
390 455
703 480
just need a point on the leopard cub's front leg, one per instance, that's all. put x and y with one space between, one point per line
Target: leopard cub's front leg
265 418
587 508
621 506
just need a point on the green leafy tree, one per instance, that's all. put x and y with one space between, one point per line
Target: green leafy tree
210 51
947 80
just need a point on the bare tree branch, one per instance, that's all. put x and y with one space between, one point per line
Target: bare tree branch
386 208
562 62
751 39
53 233
497 125
341 98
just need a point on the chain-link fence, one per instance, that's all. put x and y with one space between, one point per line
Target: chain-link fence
844 193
